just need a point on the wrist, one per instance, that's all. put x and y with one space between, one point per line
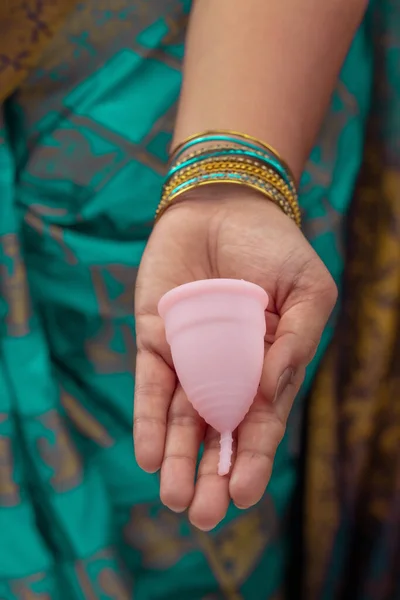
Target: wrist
213 198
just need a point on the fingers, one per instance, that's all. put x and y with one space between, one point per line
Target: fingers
271 323
184 435
259 436
211 498
302 321
301 324
154 386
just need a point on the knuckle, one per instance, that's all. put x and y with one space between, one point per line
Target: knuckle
147 420
149 389
262 455
310 347
271 430
278 430
331 291
182 420
327 288
180 457
316 284
207 472
314 274
272 426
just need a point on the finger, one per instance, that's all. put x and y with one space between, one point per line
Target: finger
185 432
271 323
302 321
259 436
154 386
211 497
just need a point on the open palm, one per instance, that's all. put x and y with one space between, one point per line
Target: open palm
242 236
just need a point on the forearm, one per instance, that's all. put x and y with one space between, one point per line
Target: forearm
266 68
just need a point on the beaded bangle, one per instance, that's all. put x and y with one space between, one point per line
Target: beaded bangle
246 168
252 176
245 142
233 152
230 157
223 160
227 164
252 183
234 137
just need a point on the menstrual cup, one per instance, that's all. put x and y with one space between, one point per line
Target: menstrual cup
216 330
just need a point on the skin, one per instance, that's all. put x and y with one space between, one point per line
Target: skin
199 239
231 232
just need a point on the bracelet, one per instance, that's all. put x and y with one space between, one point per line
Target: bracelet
230 157
223 160
241 154
250 175
227 133
252 183
230 172
240 139
227 164
245 167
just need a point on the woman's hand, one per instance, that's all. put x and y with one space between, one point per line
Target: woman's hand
228 233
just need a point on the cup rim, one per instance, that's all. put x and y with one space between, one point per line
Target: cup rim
187 290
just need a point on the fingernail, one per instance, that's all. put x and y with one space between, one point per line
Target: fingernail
283 381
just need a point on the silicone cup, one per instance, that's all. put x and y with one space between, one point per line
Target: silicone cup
216 331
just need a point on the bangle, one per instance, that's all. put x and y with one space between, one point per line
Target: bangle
242 141
245 167
250 175
227 161
216 157
234 137
268 191
239 153
255 177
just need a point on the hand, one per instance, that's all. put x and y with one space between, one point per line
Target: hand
229 233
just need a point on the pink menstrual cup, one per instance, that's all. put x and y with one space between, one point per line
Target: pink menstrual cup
216 330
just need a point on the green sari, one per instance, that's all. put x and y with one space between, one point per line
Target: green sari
85 124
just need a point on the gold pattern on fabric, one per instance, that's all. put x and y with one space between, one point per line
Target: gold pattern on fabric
26 27
354 422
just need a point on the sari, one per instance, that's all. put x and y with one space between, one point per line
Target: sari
84 138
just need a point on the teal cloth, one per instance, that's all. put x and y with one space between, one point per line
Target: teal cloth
83 146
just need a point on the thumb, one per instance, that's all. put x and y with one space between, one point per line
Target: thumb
297 337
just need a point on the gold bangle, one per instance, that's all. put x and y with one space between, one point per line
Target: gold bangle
263 177
287 209
247 168
267 179
228 162
212 148
238 135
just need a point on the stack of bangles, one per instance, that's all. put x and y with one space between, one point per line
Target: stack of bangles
230 157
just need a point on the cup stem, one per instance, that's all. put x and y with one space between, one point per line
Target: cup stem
225 453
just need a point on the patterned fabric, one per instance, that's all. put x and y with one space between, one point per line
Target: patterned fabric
83 146
353 475
26 27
